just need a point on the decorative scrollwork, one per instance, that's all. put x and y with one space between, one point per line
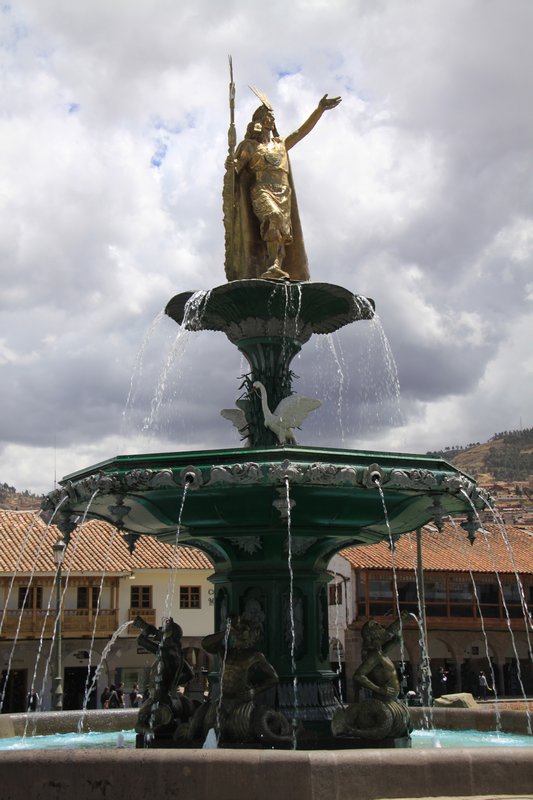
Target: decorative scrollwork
247 473
411 479
249 544
456 484
281 503
300 544
330 475
277 473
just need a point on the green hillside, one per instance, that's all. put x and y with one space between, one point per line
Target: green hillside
507 456
10 498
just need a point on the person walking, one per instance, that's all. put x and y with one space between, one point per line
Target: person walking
483 685
104 697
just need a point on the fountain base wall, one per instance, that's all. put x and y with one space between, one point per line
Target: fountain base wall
455 719
226 774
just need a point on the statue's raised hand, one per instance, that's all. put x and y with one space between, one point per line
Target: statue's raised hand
326 103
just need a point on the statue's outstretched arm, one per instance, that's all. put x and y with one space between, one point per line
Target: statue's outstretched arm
325 104
394 632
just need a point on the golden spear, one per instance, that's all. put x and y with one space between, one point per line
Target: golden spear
228 194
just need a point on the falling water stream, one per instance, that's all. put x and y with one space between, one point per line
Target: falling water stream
24 601
105 652
423 646
138 366
40 648
337 639
91 646
192 318
221 681
174 565
46 670
291 617
483 629
395 582
505 608
525 610
334 345
19 559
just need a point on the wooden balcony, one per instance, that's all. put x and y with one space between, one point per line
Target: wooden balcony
443 623
76 623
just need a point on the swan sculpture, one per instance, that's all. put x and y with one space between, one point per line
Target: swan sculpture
237 416
290 413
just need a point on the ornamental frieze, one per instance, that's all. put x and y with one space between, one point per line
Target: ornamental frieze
331 475
411 479
248 544
278 473
247 473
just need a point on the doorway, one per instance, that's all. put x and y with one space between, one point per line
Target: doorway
15 691
74 684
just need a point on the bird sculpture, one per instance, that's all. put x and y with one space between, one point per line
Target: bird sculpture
237 416
290 413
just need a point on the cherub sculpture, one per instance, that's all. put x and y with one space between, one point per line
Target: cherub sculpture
238 713
164 709
382 716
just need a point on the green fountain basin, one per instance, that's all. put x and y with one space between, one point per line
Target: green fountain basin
333 493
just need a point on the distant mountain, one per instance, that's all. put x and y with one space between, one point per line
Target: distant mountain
10 498
507 456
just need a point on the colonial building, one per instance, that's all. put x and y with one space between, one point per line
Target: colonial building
474 607
478 601
103 588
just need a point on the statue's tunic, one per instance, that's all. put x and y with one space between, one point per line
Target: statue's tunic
265 210
271 193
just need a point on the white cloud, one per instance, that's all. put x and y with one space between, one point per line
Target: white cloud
415 191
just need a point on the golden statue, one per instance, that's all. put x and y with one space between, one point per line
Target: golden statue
263 232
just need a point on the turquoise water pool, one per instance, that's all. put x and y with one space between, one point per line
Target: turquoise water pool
70 741
444 738
126 739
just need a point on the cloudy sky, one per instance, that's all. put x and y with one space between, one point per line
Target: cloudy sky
416 191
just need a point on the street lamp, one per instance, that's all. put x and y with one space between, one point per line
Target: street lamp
58 549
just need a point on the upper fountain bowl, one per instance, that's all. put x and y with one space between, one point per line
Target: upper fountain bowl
270 308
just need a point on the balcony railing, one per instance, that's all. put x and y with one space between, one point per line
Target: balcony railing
78 622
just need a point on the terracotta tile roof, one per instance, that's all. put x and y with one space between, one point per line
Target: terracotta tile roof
450 551
97 548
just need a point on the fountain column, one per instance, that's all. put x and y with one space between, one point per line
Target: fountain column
256 586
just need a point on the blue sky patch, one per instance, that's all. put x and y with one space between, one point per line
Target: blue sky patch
286 73
159 155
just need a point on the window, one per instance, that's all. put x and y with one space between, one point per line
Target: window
30 597
460 591
84 592
380 596
189 597
141 597
488 596
335 594
435 592
378 587
511 593
407 595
